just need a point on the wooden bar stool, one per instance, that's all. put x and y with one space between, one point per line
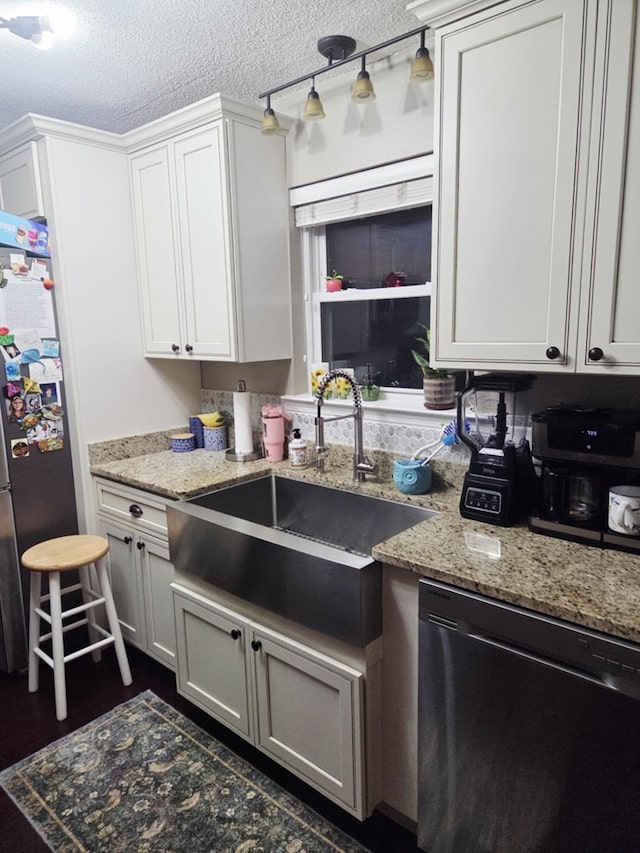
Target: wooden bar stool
51 558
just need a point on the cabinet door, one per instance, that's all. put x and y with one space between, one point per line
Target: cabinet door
611 291
202 200
20 191
309 711
509 126
125 581
159 264
157 576
211 663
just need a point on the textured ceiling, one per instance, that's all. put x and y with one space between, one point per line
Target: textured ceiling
132 61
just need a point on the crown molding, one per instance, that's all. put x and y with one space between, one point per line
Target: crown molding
194 116
437 13
32 126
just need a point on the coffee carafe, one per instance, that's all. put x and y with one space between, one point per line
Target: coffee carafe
570 495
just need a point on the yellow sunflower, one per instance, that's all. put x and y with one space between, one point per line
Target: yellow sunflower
342 387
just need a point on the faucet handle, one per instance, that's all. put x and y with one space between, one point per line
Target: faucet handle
321 453
367 466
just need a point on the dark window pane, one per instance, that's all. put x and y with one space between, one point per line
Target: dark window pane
365 251
377 331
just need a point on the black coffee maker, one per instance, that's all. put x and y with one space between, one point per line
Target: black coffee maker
500 485
584 452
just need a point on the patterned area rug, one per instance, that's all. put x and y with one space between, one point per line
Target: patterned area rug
145 778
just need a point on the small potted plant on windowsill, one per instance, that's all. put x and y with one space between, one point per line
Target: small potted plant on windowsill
368 388
334 282
439 384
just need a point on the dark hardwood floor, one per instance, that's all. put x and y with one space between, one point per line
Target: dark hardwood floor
28 722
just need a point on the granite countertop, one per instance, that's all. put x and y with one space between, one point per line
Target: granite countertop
589 586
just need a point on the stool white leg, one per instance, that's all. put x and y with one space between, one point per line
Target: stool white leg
112 616
34 630
85 580
58 645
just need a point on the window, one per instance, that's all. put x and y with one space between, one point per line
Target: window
379 239
375 329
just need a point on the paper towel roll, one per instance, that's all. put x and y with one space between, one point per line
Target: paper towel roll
242 421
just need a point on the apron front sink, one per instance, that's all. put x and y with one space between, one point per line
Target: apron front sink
297 548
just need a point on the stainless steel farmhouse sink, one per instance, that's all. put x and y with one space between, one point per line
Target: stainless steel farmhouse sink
297 548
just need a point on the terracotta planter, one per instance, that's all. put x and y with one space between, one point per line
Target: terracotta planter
439 393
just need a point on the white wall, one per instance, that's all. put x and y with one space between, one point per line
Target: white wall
353 137
112 390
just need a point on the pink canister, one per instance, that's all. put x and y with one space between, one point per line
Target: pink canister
273 433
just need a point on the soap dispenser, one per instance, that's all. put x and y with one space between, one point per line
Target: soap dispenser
297 451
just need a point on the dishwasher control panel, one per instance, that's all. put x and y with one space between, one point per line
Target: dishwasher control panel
615 663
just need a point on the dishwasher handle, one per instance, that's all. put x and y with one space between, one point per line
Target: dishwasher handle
544 661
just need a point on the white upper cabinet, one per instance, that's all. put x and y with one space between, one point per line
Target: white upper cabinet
531 224
610 322
20 189
211 223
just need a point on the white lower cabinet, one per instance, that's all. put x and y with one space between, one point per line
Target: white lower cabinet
141 574
140 569
303 708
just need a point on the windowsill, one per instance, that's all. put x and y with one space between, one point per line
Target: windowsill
392 406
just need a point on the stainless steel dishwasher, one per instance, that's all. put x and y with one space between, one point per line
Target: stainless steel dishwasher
529 731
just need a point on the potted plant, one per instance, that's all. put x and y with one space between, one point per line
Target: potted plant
438 383
334 282
368 388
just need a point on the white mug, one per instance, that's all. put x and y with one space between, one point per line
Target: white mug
624 510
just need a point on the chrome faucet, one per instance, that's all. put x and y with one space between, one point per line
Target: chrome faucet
361 465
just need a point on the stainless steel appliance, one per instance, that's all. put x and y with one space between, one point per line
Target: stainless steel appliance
584 453
37 498
499 486
527 731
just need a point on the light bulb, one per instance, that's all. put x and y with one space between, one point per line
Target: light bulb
60 21
362 92
313 110
270 123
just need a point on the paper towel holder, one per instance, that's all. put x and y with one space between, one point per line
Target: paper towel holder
232 455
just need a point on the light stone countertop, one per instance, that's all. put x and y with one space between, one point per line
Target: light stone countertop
589 586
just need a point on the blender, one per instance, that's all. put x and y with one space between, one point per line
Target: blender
500 485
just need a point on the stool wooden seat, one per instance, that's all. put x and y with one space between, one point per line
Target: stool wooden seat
53 557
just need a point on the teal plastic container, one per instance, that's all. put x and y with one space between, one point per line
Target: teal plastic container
410 477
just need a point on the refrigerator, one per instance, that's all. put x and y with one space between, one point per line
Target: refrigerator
37 499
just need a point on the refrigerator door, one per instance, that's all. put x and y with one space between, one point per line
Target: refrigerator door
13 641
4 468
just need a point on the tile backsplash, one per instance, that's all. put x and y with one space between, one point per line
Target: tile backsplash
391 437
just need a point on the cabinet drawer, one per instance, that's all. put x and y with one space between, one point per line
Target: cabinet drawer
117 501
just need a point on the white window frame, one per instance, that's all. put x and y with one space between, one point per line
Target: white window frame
393 187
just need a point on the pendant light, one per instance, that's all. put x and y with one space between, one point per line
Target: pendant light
40 29
422 66
338 50
270 123
362 92
313 110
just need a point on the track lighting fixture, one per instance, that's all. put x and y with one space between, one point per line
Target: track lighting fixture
40 29
313 109
362 92
270 123
339 50
422 66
